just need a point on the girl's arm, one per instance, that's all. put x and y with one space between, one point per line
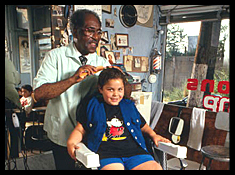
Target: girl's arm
155 137
75 138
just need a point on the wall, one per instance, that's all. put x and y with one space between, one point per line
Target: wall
141 38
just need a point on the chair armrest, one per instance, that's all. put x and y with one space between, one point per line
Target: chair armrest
88 158
172 149
177 151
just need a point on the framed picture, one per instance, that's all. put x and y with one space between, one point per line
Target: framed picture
140 64
128 62
144 64
105 36
109 23
103 48
25 66
121 40
117 56
57 10
110 56
136 63
107 8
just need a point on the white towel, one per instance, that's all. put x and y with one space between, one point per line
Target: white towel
197 124
156 111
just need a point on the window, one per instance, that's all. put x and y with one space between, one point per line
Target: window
180 52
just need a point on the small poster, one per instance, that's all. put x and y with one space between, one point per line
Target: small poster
94 8
25 66
143 101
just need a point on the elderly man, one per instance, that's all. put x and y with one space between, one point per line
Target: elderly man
59 80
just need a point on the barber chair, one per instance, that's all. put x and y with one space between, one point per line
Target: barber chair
90 160
85 157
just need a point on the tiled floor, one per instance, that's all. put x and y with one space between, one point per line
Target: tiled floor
34 161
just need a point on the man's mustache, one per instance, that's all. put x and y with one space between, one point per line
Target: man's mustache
93 41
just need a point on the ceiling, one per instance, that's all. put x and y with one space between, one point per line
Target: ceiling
188 13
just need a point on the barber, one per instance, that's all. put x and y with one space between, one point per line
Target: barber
58 80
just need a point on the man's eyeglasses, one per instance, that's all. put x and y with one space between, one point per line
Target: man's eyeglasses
90 31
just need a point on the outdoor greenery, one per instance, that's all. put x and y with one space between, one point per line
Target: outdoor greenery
174 44
176 93
175 41
221 74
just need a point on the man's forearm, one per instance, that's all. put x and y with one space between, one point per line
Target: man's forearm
51 90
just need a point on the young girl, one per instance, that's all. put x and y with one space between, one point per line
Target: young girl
113 127
27 100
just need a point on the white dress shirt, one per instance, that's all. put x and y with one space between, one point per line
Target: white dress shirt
60 64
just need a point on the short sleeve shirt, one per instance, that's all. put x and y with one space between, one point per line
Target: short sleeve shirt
60 64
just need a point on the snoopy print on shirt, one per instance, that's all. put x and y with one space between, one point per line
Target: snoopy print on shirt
115 130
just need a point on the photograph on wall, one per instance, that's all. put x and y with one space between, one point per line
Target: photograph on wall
103 48
121 40
107 8
144 64
109 23
137 62
57 10
25 65
140 64
105 36
110 56
117 56
128 62
113 42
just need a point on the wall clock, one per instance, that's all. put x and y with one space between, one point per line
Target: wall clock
152 78
128 15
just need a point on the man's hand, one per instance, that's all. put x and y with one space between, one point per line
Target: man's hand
116 68
82 72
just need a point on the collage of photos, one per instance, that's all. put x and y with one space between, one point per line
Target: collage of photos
112 48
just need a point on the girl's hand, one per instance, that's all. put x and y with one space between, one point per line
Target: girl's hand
75 138
159 138
71 150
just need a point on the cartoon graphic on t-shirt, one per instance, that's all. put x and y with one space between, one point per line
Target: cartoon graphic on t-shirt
115 130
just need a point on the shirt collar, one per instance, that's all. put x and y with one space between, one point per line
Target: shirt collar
73 52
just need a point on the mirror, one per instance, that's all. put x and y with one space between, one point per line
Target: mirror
176 126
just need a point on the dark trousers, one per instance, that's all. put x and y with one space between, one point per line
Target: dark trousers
63 161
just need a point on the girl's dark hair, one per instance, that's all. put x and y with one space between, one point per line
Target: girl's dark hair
78 18
27 87
108 74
